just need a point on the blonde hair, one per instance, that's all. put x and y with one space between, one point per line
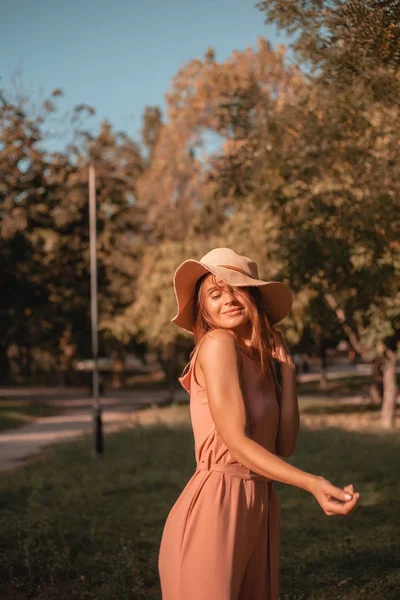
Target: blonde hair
262 341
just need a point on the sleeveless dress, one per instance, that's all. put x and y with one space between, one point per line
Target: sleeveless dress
221 538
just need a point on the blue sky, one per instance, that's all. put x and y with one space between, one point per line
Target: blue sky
118 56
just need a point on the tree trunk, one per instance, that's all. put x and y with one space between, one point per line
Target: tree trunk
376 387
26 357
321 349
323 379
167 361
60 371
170 371
67 352
4 364
388 410
118 367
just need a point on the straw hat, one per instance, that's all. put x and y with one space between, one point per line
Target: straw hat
235 270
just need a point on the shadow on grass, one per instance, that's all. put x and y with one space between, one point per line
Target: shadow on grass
77 527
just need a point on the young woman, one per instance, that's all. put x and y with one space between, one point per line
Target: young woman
221 537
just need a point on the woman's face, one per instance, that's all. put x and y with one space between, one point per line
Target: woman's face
222 306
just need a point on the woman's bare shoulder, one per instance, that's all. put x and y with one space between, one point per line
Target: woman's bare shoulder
218 341
213 345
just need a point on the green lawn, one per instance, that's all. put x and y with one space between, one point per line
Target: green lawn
75 527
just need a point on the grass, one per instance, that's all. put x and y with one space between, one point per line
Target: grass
341 386
15 413
75 527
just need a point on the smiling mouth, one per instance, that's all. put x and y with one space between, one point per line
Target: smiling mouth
233 312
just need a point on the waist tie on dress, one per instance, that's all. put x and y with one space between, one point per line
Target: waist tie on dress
237 470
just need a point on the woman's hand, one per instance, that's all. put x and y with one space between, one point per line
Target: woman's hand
333 499
282 353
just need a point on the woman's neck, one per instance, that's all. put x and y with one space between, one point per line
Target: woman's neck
244 333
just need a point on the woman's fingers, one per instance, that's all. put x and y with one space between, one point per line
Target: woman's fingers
349 489
334 500
340 494
335 508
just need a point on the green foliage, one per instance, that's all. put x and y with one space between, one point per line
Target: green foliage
340 41
44 246
149 316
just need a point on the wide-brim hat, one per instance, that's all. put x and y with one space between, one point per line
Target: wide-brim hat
235 270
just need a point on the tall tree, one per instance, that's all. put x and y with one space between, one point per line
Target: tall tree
23 210
353 52
44 246
182 189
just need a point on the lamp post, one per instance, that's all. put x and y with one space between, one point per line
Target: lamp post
97 420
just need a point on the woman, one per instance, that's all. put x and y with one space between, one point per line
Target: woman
221 537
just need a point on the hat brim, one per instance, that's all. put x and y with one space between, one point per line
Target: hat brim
277 296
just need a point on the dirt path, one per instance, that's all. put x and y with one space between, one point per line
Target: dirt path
16 445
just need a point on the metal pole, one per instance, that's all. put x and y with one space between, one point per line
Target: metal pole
97 421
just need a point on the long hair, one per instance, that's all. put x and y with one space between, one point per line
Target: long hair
262 341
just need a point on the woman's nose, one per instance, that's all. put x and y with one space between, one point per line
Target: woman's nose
228 298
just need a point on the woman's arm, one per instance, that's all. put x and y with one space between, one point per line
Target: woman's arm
289 420
218 358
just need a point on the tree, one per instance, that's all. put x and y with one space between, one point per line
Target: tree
45 234
189 201
342 41
151 128
230 101
148 318
353 52
23 309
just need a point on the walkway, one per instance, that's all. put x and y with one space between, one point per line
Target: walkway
16 445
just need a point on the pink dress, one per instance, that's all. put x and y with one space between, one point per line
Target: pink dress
221 537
